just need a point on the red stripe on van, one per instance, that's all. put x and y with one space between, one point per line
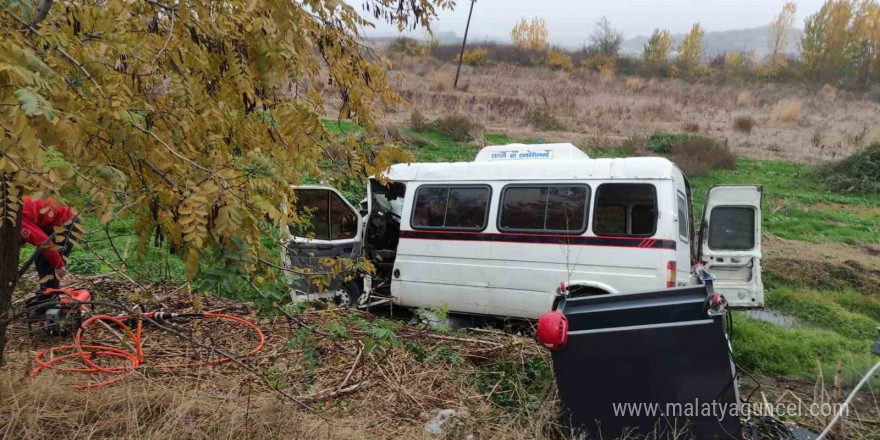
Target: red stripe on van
528 238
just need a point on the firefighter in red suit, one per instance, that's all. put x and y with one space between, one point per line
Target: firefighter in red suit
39 220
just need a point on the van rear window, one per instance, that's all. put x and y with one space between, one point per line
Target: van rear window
625 209
451 207
546 208
732 229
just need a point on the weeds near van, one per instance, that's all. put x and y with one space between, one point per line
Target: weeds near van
521 384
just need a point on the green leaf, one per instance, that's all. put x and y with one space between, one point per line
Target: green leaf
33 104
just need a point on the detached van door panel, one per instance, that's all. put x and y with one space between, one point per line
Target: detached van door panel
730 242
334 230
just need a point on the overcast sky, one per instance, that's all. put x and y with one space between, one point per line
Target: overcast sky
571 21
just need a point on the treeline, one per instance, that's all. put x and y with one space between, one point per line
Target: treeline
840 45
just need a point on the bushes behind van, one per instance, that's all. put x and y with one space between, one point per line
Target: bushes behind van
695 155
698 155
857 174
461 128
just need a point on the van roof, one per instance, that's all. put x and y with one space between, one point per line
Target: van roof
631 168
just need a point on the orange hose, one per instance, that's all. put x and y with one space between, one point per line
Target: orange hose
135 359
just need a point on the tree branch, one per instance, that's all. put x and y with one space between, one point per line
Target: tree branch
172 150
164 46
42 12
162 174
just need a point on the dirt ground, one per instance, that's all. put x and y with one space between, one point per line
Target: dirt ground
866 256
790 121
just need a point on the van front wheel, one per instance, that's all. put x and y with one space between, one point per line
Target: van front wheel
347 295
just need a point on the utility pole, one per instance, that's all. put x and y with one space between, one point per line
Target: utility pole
463 43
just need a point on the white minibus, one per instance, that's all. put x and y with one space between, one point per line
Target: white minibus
498 235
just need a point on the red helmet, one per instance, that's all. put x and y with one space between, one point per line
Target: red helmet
553 330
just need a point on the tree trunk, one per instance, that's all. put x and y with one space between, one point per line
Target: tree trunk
10 243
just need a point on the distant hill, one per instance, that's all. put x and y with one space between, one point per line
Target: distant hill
722 42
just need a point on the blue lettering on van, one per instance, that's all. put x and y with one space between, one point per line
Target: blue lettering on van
527 154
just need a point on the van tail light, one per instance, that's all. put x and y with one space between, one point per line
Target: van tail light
553 330
670 274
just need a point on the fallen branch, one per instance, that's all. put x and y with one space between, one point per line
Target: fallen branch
324 395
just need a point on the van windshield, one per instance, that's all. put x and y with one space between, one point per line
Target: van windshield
384 205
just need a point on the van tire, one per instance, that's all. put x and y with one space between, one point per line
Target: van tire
347 295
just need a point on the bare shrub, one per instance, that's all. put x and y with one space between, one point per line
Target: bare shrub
787 112
461 128
857 138
563 77
542 118
606 75
691 127
698 155
816 139
744 123
829 92
390 133
637 145
744 99
439 81
418 122
653 110
634 84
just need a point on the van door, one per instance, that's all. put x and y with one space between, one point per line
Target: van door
332 229
730 242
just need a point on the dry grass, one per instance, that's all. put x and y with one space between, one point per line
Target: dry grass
744 123
829 93
321 357
634 84
563 77
47 409
499 97
691 127
440 81
418 121
787 112
606 75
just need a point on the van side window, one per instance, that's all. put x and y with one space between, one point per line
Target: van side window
451 207
329 217
547 208
625 209
683 220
